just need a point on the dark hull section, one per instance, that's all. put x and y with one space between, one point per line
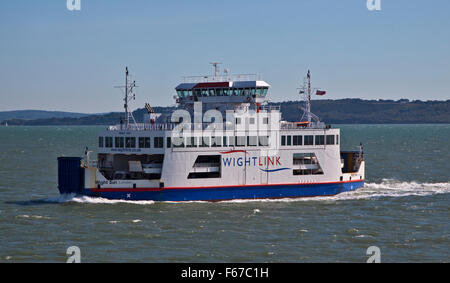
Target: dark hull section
227 193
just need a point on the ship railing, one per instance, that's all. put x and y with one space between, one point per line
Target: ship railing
143 127
271 107
300 126
222 78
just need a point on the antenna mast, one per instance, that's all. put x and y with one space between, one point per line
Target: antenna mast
308 103
129 95
216 69
306 91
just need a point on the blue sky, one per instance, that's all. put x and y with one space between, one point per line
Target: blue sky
55 59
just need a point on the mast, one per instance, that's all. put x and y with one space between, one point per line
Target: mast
129 95
126 98
216 69
308 102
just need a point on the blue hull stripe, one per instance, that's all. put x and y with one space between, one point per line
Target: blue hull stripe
229 193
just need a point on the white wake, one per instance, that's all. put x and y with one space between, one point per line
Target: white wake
388 188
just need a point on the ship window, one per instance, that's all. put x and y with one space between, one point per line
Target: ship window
219 92
237 92
191 142
297 140
264 141
212 92
283 140
158 142
309 140
100 141
119 142
320 140
205 142
240 141
252 92
144 142
169 142
306 164
252 121
197 92
246 92
108 142
337 139
180 93
238 121
252 141
231 141
216 141
204 92
225 141
330 139
264 91
130 142
177 142
206 166
266 121
289 140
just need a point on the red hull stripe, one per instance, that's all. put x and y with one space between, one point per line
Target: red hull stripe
95 190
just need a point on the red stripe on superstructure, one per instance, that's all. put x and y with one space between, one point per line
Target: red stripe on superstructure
213 84
95 190
233 151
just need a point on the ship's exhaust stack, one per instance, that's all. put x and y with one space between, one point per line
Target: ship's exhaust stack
70 175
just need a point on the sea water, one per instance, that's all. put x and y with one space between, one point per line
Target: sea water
403 208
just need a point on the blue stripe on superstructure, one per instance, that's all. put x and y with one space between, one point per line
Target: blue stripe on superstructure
274 170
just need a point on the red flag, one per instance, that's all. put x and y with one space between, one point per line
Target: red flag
321 92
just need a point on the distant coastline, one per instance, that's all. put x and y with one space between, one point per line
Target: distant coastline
341 111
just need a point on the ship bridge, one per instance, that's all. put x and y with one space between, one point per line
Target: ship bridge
237 92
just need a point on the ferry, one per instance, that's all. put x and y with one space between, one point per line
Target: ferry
223 142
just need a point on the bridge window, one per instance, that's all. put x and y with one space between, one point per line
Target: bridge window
119 142
309 140
330 139
100 141
320 140
108 142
